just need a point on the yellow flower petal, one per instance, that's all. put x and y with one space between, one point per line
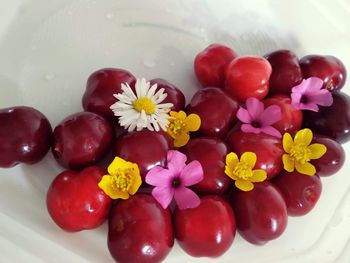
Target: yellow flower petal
181 139
249 158
106 185
193 122
118 163
287 142
244 185
137 181
259 175
305 168
229 173
303 136
317 150
181 115
232 160
288 163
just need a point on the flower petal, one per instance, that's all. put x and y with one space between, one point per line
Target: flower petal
259 175
287 142
255 107
270 115
192 173
118 163
313 85
186 198
163 195
181 115
136 179
176 161
288 163
317 150
193 122
308 106
181 140
249 128
159 176
305 168
244 185
229 173
271 131
322 97
296 97
304 137
106 184
243 115
232 159
249 158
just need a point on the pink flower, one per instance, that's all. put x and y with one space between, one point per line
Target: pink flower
173 182
309 94
256 119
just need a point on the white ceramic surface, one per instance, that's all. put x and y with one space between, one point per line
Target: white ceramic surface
48 49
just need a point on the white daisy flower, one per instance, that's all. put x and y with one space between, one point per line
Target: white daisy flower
143 109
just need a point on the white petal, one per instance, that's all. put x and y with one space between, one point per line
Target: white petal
128 91
151 91
132 127
144 87
165 106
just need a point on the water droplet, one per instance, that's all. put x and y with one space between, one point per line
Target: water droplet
49 76
109 16
150 63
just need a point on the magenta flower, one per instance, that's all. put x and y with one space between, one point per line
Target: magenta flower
309 94
173 182
256 119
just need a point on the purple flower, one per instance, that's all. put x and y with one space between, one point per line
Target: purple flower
256 119
309 94
173 182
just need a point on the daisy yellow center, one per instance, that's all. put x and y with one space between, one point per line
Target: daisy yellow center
176 126
146 104
243 171
122 180
300 153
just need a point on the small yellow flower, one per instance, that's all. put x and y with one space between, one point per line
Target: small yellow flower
123 179
242 170
299 152
180 125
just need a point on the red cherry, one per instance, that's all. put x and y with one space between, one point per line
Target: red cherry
216 110
210 65
286 72
211 153
261 213
248 76
292 118
25 136
332 160
140 230
75 202
146 148
268 150
175 96
81 139
101 86
328 68
300 192
207 230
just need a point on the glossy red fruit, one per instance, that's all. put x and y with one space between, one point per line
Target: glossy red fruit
268 149
140 230
216 110
292 118
146 148
211 153
207 230
248 76
81 139
101 86
300 192
261 214
175 96
333 160
75 202
328 68
333 121
210 65
286 72
25 136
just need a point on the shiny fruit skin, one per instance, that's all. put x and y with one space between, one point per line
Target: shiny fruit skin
292 118
333 121
248 76
210 65
100 87
328 68
216 110
300 192
140 230
286 72
25 136
75 202
211 153
81 139
207 230
261 214
268 150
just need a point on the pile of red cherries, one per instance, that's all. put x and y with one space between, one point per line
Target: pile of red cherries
140 230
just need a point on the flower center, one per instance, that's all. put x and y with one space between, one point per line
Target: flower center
122 180
256 124
146 104
304 99
300 153
176 126
243 171
176 182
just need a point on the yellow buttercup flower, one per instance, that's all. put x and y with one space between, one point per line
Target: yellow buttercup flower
242 170
123 179
299 152
180 125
